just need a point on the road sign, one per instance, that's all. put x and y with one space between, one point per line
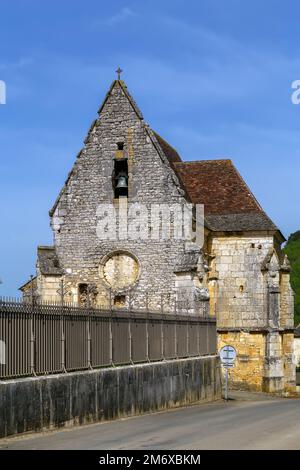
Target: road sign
228 357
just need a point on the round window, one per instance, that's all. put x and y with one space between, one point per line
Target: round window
120 270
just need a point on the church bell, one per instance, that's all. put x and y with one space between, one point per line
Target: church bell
122 181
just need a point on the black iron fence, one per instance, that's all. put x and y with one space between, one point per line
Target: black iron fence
43 339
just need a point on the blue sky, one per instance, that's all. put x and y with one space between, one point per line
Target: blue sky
212 77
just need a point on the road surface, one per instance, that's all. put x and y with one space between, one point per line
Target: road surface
248 422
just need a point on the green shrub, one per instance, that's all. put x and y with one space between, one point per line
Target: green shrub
292 249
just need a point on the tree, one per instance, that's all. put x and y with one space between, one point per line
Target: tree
292 249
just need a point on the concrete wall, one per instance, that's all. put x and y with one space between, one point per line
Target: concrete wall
41 403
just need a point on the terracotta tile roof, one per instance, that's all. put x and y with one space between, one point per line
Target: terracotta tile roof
171 154
217 185
229 203
252 221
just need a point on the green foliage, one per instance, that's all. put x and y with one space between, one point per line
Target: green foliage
292 249
294 237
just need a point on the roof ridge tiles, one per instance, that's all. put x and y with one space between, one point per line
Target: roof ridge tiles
228 160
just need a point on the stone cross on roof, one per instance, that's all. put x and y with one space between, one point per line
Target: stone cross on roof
119 71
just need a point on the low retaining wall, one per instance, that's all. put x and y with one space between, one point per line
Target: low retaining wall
53 401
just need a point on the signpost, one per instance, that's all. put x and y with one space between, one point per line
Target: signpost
228 357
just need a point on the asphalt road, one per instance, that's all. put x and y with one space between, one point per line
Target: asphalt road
255 422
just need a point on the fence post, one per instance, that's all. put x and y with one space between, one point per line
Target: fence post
32 345
188 338
110 340
130 340
63 345
147 339
175 330
147 302
130 330
207 339
147 328
162 338
32 336
162 328
62 292
89 355
110 331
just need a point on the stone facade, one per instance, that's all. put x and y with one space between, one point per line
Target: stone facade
239 274
74 219
255 309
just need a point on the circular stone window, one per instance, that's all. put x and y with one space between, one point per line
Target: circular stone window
120 270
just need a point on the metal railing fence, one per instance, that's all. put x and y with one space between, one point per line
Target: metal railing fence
43 339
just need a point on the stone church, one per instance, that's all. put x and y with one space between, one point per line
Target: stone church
238 274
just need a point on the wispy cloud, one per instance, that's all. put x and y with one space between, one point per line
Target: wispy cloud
123 15
18 64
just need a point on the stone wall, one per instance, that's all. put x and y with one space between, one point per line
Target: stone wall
242 294
48 287
286 301
289 362
250 287
249 367
48 402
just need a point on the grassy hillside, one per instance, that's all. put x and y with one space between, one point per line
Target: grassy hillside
292 249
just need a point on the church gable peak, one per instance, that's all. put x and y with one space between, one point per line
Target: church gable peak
118 86
120 122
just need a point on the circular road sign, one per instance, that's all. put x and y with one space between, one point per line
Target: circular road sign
228 355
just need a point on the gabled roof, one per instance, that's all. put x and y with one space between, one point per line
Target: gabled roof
171 154
229 203
27 284
127 94
217 185
245 222
165 151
